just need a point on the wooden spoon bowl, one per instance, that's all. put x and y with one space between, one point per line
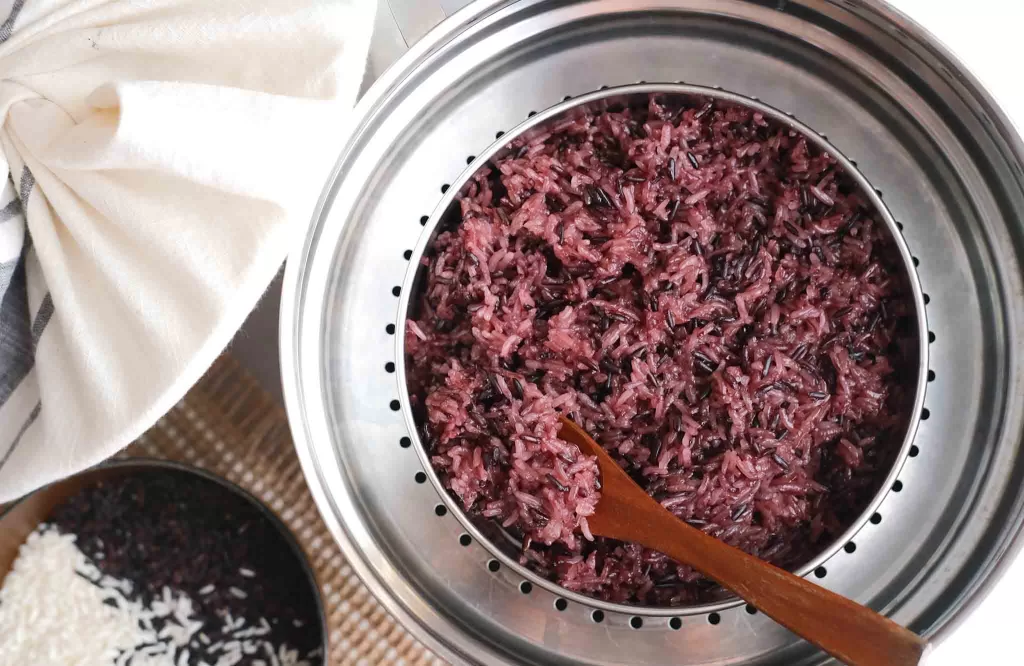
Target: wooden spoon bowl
846 630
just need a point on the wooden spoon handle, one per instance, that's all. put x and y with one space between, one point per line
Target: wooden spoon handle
845 629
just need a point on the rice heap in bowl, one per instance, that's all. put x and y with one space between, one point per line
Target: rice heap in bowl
705 293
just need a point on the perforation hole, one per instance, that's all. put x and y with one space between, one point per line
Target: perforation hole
465 540
440 510
750 609
396 291
931 375
405 442
499 134
917 262
597 616
567 98
444 188
714 618
531 114
389 367
876 518
820 572
897 486
420 477
407 254
469 160
423 221
526 587
850 548
636 622
926 414
675 624
561 604
914 451
899 225
395 405
927 299
931 337
493 566
390 328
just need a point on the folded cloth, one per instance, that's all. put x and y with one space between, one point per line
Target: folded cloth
160 155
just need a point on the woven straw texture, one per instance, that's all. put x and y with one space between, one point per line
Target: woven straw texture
228 425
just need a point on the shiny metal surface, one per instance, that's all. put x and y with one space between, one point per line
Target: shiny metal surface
637 96
922 132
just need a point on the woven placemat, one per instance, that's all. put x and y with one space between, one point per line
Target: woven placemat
228 425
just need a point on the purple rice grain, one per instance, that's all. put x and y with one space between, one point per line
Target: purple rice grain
735 280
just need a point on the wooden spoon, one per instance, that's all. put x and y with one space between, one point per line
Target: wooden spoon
846 630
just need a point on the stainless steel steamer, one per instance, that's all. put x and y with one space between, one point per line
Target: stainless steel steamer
943 157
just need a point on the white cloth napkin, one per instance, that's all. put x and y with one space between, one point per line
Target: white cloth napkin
159 157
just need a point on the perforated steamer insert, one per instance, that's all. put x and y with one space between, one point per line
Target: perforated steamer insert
943 158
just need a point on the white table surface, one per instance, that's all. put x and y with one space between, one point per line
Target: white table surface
985 34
